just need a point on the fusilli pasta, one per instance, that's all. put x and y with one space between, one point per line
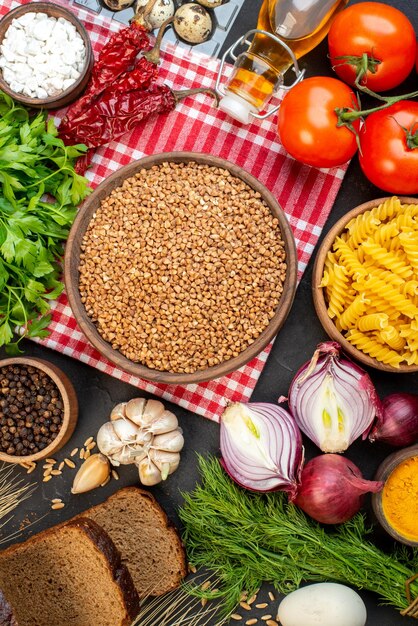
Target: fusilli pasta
371 282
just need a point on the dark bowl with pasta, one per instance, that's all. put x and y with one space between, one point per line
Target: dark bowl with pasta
365 284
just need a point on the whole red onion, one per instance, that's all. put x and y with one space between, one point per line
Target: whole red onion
332 489
399 423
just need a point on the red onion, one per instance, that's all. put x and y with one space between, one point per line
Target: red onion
261 447
333 400
332 489
399 424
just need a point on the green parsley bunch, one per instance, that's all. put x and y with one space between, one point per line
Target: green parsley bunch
39 194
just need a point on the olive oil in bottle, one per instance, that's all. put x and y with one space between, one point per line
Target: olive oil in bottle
300 25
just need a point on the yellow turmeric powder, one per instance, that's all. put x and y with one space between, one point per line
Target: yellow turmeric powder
400 499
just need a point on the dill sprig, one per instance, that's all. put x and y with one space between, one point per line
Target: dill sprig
248 539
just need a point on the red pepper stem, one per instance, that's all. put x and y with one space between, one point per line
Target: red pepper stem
346 116
180 95
154 55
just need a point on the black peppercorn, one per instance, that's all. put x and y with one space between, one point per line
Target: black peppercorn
31 410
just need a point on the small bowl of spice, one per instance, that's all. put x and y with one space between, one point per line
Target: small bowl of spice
38 409
396 506
45 55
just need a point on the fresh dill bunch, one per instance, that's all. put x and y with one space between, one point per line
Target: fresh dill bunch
248 538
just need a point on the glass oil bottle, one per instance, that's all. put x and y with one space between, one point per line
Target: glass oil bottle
286 30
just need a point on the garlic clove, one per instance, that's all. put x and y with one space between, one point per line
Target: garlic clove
170 442
107 440
138 454
143 438
153 411
149 474
126 430
94 471
118 411
163 424
165 461
135 409
125 456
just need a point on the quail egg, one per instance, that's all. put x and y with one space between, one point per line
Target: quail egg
192 23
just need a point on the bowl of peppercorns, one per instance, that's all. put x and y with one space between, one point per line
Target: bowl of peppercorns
38 409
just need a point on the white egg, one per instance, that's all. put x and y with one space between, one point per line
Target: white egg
323 604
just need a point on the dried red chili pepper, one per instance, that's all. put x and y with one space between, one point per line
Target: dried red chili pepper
141 77
115 113
116 57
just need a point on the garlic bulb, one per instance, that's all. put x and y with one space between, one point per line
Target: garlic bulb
142 432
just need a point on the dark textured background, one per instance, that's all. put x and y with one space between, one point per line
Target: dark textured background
298 338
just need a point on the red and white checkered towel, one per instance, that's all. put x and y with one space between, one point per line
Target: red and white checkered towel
306 195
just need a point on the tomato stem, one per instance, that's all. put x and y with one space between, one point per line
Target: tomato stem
411 135
346 115
361 65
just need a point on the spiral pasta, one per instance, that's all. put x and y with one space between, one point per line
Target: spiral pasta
371 282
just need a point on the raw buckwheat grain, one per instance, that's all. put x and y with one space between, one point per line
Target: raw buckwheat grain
182 267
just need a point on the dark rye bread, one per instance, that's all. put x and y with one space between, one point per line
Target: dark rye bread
150 546
70 575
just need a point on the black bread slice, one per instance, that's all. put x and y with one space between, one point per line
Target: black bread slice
149 544
70 575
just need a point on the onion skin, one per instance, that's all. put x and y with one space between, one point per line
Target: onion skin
333 400
261 447
332 489
399 424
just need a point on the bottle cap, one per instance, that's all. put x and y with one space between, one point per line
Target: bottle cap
238 108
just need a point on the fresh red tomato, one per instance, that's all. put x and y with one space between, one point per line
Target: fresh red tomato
308 122
388 156
383 33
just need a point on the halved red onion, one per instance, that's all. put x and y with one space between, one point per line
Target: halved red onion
261 447
333 400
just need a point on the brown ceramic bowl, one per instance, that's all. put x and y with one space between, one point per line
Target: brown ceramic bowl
69 400
72 260
319 295
383 472
75 90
